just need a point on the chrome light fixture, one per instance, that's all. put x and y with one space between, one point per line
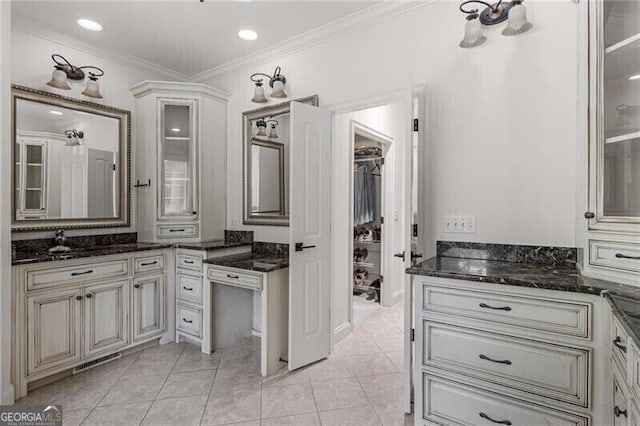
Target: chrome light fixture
73 137
273 134
493 14
277 82
262 127
63 70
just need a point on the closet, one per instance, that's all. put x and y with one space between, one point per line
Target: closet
367 219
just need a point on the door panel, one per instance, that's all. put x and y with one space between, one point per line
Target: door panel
309 270
100 175
148 307
53 329
106 317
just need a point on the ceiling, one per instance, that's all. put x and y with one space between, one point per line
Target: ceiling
185 36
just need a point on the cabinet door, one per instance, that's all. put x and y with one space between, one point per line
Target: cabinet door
615 138
148 307
53 329
177 160
106 317
620 411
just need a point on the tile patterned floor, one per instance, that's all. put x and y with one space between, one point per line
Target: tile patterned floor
359 384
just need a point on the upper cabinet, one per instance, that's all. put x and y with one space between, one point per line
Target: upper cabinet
180 168
614 136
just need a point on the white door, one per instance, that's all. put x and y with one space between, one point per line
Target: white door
309 233
101 172
106 317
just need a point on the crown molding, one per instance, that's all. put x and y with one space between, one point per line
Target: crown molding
379 12
150 86
151 69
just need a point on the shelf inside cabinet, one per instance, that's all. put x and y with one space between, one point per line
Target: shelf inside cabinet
623 43
622 138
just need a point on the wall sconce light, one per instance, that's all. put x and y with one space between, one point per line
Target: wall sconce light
276 82
262 127
73 137
493 14
63 70
272 132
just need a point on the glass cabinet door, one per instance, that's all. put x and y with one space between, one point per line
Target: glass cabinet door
177 160
30 178
618 109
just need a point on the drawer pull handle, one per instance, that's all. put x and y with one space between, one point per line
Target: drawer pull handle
188 288
486 358
75 274
177 230
189 262
624 256
618 343
503 308
500 422
149 263
235 277
187 321
618 412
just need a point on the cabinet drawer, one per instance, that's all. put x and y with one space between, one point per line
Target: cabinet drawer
189 320
189 288
545 369
569 318
49 277
236 278
450 403
148 263
178 231
188 261
619 346
616 255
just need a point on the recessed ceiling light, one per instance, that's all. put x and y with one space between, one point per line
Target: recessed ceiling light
55 112
175 129
248 35
90 25
635 77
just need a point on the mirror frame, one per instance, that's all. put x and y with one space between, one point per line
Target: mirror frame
124 164
280 148
247 118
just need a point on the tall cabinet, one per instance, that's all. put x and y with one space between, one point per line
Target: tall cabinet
180 161
613 215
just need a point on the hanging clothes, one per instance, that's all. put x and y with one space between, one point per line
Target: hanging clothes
364 196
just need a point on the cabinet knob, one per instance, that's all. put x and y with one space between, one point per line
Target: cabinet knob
589 215
89 296
136 285
618 412
78 297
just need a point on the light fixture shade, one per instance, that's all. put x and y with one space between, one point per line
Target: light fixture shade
262 127
258 94
517 23
93 88
278 89
59 79
273 134
72 141
473 35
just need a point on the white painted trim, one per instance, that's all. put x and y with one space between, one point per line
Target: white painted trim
364 18
340 333
8 395
34 28
155 86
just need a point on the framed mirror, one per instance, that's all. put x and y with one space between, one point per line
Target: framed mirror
71 162
266 163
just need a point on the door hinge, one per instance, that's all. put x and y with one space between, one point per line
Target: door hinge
381 279
114 167
382 161
415 229
381 219
412 334
416 125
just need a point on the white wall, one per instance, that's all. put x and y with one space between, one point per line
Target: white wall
501 118
6 389
31 66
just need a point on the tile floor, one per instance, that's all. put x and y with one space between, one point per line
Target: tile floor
359 384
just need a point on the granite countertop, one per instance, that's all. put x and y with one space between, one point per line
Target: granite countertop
252 262
24 258
624 299
212 245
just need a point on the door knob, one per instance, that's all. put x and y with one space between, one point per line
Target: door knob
301 247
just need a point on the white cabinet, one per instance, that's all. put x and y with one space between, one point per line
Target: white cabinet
53 329
614 139
105 317
77 311
148 307
31 155
181 161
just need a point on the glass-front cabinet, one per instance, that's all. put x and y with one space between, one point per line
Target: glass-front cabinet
178 192
30 178
614 136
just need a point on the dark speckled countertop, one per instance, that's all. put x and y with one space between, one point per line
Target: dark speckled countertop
24 258
624 299
252 262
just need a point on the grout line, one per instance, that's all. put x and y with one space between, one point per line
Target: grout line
215 374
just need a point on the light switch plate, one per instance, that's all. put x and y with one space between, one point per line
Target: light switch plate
460 224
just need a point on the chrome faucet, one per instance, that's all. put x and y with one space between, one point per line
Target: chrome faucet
59 240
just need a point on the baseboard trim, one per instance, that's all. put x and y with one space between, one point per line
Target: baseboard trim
341 332
8 395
